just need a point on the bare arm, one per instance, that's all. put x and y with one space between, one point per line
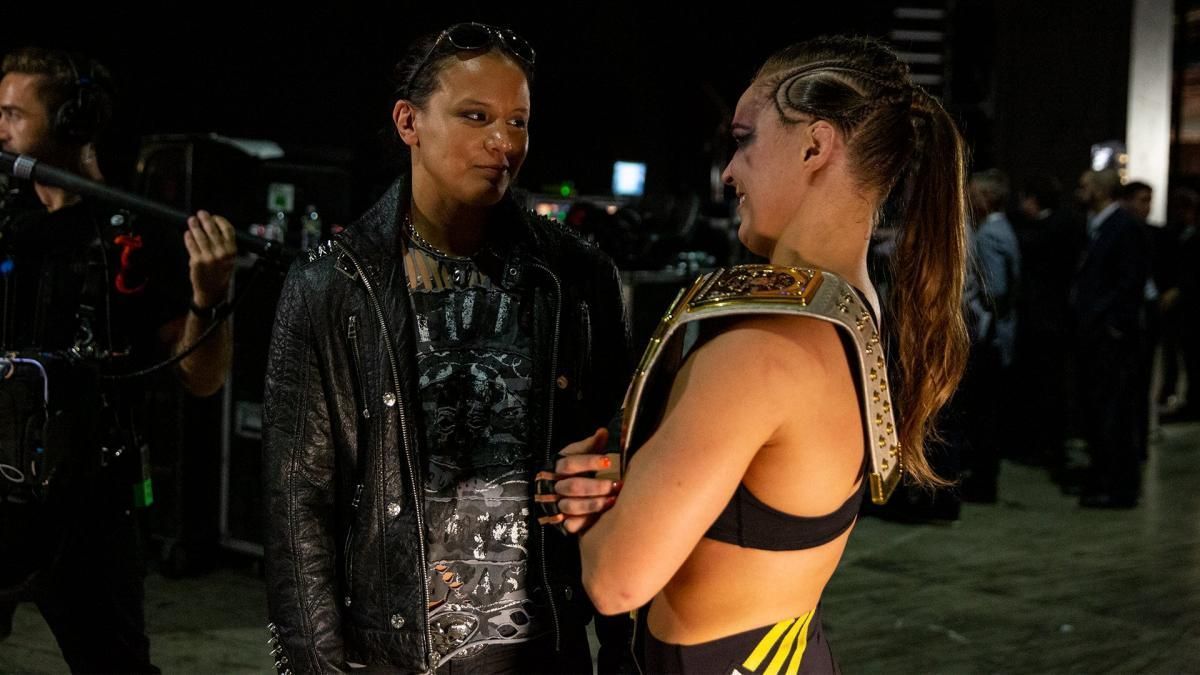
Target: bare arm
724 407
211 250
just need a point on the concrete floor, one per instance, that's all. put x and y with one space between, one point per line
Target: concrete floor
1032 584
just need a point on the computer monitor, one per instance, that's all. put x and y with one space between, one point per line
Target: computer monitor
629 179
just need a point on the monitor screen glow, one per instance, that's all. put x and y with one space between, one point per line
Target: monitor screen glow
629 178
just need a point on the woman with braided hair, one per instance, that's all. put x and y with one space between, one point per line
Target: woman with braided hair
763 409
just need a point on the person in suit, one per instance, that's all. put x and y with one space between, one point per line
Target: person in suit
1049 241
1181 308
1108 298
1135 198
998 265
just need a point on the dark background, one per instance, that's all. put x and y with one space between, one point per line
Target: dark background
1033 84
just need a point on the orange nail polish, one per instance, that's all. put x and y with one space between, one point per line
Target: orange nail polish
605 462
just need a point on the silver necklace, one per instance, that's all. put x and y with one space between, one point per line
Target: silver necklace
417 239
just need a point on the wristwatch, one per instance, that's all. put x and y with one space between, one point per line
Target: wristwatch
209 314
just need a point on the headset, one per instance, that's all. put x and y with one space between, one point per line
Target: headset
79 118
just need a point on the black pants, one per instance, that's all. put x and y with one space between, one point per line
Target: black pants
91 595
1108 370
535 656
982 390
797 643
1189 349
1144 374
1039 386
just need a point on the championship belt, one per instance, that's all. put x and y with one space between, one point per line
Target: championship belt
768 289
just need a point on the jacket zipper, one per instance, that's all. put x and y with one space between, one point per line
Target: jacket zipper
550 443
350 540
352 333
585 357
418 506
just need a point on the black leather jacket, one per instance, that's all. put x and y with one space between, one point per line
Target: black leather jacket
343 462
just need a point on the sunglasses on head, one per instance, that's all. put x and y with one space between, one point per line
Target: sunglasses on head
471 37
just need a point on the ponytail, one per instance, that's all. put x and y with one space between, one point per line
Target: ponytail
903 146
925 303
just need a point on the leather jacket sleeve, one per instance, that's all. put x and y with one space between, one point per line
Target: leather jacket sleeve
611 344
613 361
298 490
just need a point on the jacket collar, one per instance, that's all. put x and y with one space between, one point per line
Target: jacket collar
373 237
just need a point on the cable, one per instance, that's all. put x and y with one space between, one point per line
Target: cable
221 317
107 295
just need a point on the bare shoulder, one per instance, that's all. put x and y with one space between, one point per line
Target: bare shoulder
788 342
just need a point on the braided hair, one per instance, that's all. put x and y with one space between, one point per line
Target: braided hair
903 147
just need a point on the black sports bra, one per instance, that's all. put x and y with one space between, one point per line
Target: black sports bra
748 522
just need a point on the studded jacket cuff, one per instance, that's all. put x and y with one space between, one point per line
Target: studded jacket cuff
282 665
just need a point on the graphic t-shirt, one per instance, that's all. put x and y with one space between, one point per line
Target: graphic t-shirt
475 360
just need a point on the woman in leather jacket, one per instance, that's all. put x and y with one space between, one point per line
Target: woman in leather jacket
425 364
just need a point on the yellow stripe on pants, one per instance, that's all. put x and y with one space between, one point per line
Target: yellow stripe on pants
765 644
785 647
801 645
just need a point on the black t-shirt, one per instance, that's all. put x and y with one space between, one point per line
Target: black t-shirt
71 280
86 299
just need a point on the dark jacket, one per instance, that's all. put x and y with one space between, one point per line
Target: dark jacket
999 259
1047 247
1110 286
343 462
